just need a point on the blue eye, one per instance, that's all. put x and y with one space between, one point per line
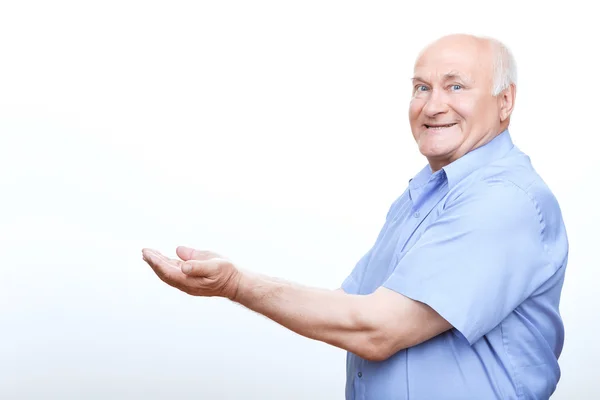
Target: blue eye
456 87
421 88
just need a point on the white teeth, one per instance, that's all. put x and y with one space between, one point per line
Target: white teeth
440 127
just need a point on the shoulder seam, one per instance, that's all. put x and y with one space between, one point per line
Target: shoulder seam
540 218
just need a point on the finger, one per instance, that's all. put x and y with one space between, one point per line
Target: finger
153 254
176 264
187 254
165 268
201 268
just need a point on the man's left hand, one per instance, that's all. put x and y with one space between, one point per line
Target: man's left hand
198 273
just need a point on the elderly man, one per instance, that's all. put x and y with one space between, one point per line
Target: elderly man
459 296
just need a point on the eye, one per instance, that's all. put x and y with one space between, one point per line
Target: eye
420 88
456 87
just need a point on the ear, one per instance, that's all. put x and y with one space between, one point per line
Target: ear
506 101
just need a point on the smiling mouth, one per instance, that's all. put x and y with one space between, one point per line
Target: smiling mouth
438 126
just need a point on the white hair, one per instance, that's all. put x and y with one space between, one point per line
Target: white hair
505 67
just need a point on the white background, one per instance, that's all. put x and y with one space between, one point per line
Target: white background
273 132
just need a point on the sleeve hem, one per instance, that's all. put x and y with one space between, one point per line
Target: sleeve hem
349 285
440 305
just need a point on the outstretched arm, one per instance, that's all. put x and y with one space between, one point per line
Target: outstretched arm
372 326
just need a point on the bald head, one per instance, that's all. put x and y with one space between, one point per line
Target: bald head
499 59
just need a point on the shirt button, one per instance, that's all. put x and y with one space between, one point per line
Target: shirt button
417 214
360 374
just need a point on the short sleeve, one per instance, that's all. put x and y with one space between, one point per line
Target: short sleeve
480 259
351 284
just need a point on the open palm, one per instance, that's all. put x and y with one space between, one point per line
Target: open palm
197 272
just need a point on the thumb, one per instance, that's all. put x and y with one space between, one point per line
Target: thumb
200 268
188 254
185 253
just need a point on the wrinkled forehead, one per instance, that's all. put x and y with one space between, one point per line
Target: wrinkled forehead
471 62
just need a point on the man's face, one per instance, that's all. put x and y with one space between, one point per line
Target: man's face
452 110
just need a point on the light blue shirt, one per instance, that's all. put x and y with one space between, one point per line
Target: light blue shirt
482 241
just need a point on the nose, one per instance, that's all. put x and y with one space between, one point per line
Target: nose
436 104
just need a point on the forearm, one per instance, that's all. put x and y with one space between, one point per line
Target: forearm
333 317
373 326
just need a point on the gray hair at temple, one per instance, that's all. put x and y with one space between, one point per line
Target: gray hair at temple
505 66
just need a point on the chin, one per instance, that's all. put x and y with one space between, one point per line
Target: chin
438 158
437 146
436 149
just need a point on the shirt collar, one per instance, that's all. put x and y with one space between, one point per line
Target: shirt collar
417 186
421 178
496 148
456 171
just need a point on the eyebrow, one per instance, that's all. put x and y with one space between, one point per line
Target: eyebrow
454 75
448 76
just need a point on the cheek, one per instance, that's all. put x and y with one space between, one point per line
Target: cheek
473 110
464 107
414 109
